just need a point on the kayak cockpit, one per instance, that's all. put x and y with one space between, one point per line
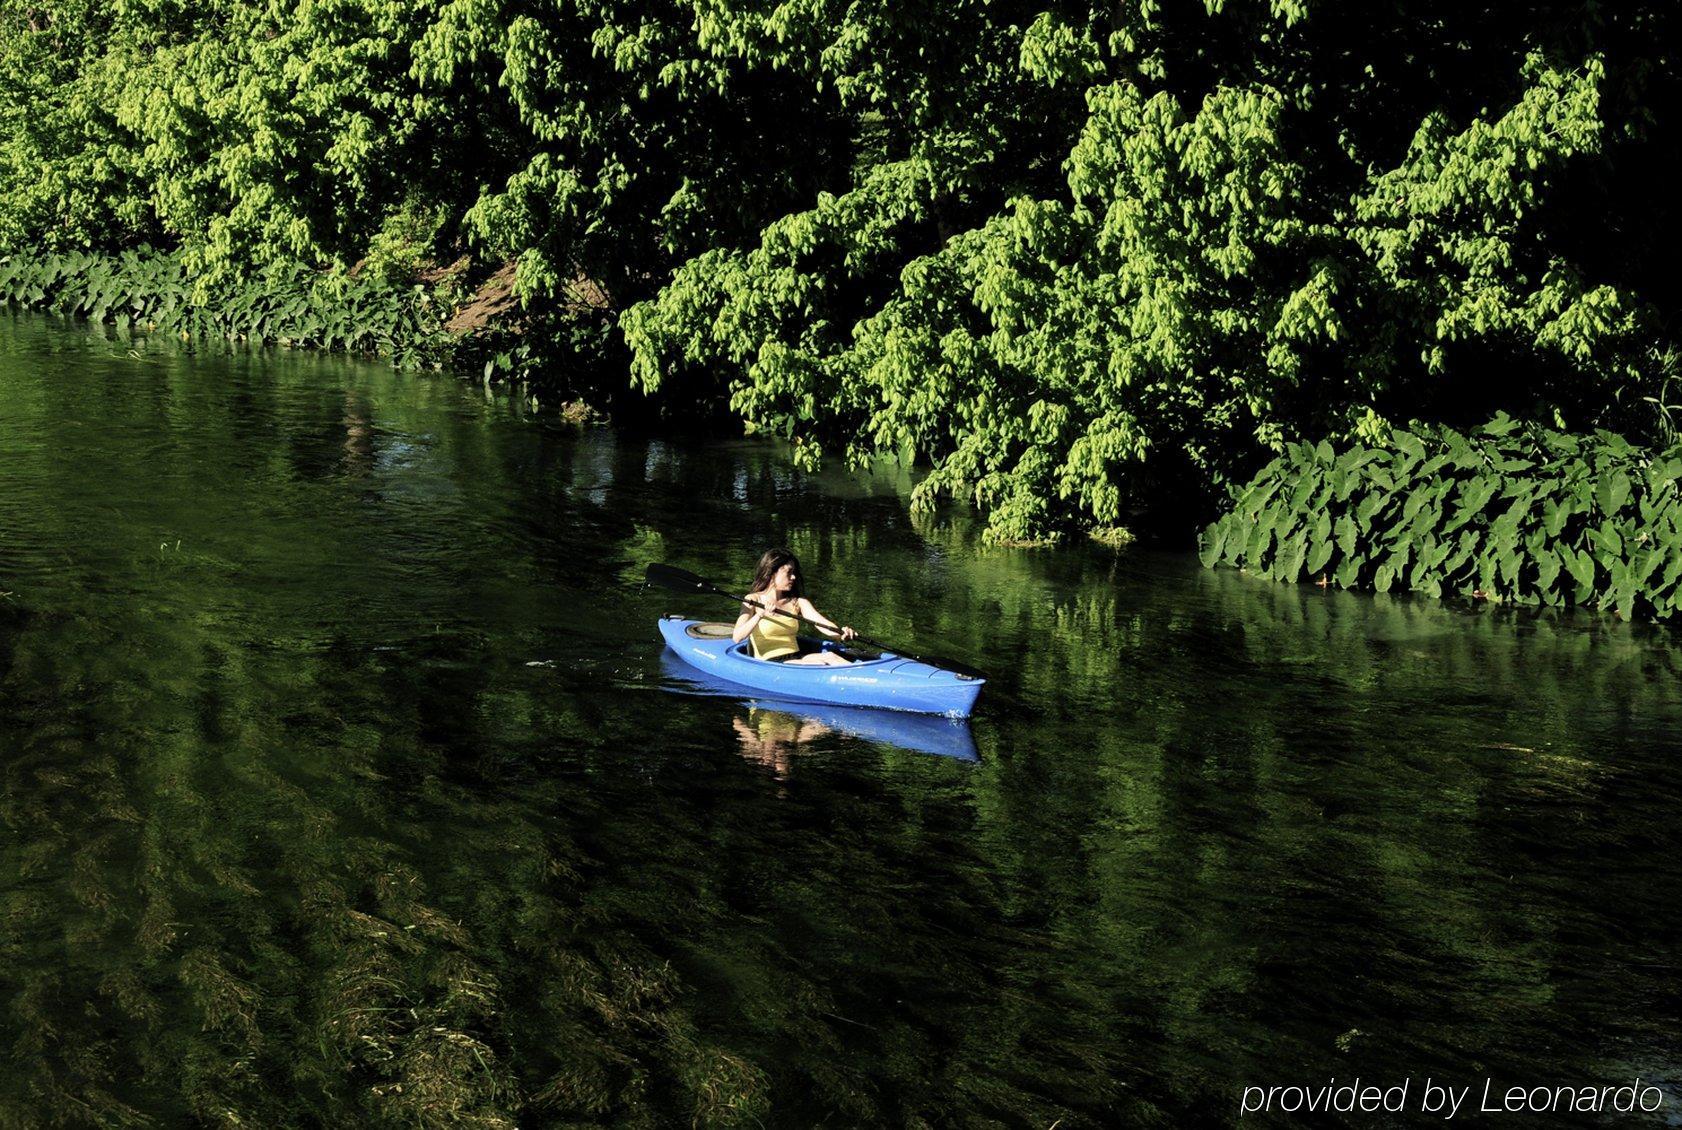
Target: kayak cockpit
717 630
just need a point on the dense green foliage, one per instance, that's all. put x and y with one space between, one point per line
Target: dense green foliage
1234 263
1508 514
598 139
1080 260
282 302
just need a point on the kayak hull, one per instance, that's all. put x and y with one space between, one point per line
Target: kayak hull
891 682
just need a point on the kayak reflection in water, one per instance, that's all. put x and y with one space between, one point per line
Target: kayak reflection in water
770 737
777 588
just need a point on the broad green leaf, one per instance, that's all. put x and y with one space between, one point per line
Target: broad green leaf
1346 535
1409 445
1211 545
1613 491
1319 556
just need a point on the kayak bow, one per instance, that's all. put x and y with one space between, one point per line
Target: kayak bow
891 682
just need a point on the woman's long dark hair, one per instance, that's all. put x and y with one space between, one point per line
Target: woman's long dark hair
769 563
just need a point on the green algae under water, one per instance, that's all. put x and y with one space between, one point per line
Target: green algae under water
342 780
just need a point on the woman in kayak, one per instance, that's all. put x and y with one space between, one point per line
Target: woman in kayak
777 588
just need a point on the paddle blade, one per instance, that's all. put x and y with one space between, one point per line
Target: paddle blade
671 577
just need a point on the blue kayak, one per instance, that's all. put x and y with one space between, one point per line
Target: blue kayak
920 733
891 682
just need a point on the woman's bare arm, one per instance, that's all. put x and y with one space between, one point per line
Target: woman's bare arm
824 624
752 613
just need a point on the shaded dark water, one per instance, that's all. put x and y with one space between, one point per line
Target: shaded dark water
342 779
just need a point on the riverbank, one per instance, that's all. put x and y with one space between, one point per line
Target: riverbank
1514 513
457 318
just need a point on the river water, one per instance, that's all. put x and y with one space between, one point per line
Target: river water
343 779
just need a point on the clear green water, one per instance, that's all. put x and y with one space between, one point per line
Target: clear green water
342 780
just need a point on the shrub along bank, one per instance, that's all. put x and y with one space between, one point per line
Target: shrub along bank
283 303
1508 513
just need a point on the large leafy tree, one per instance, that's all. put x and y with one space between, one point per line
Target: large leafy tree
1264 234
63 175
634 135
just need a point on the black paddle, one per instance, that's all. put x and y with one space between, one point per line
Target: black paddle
671 577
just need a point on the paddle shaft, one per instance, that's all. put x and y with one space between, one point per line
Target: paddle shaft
787 615
672 577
